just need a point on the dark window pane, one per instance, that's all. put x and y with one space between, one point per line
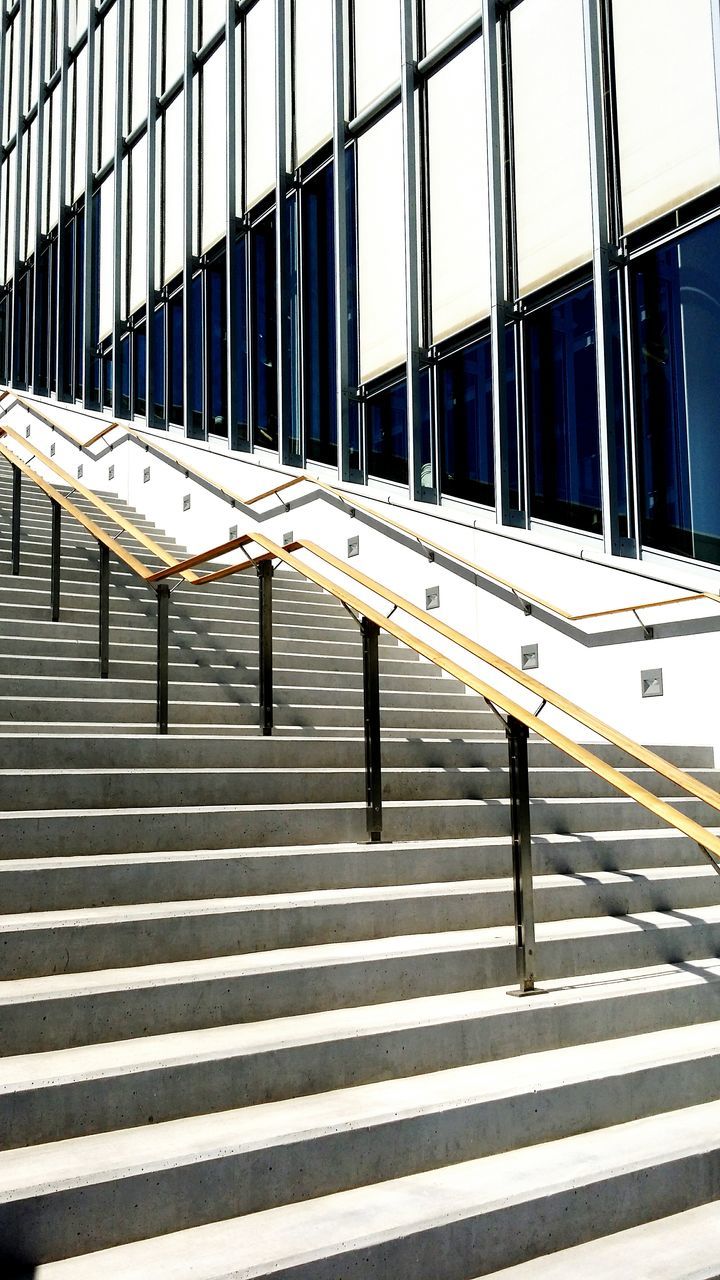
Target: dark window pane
22 328
4 336
677 321
107 371
387 434
124 376
293 445
68 312
158 366
40 378
264 345
53 313
195 357
216 347
175 359
319 318
562 404
466 425
139 370
79 225
354 428
240 358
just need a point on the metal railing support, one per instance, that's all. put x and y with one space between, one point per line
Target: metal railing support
517 737
371 708
56 519
16 506
104 612
265 578
163 631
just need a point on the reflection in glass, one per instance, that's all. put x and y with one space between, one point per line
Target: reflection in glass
387 434
319 318
216 347
466 423
175 359
264 346
124 377
157 389
139 369
241 432
677 325
194 356
563 415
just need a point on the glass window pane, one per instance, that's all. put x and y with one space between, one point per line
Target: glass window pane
194 356
175 359
105 87
387 434
459 228
214 137
565 470
552 159
158 366
313 76
104 278
138 224
264 343
381 258
667 109
139 61
213 17
677 301
443 17
319 318
377 48
77 137
216 348
261 149
240 349
466 423
124 377
139 370
171 43
173 170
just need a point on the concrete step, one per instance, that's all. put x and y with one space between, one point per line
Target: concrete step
65 1010
78 591
200 1169
95 1088
497 1210
44 942
72 882
72 657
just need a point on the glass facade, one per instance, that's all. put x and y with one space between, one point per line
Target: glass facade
182 244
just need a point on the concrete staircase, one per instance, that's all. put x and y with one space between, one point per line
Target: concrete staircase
239 1041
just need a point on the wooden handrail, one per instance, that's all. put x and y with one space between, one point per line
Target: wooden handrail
351 501
125 556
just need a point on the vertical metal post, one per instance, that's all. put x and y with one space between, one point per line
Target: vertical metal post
286 393
418 491
342 356
371 713
90 284
56 519
151 212
163 631
62 338
265 578
104 611
20 33
231 307
16 504
190 354
38 210
517 737
498 273
119 302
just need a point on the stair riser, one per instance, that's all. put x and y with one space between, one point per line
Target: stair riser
310 715
241 687
186 639
81 595
107 1213
84 947
215 1083
73 658
49 1023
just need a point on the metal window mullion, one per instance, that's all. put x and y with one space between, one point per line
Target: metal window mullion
231 219
340 220
19 148
187 211
151 213
603 250
412 272
118 206
89 283
42 92
282 242
61 141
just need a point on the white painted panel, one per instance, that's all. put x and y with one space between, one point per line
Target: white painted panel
667 110
377 48
173 171
459 220
313 75
138 224
443 17
552 159
261 149
381 248
140 50
105 281
214 141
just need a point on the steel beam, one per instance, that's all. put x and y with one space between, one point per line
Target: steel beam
265 639
163 637
517 739
16 519
55 552
151 212
90 284
104 610
288 408
189 356
340 34
418 491
21 31
37 212
118 301
370 632
61 337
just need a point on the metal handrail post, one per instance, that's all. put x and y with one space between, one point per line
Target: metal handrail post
104 612
16 507
56 519
371 711
517 737
265 580
163 633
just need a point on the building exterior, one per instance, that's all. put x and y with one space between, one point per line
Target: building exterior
467 253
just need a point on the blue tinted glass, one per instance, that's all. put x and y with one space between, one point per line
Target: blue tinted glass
175 359
241 431
293 447
562 404
158 366
53 315
4 335
677 320
42 322
354 424
216 347
107 372
68 311
139 369
319 318
194 355
264 345
466 424
94 388
22 326
387 434
124 376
